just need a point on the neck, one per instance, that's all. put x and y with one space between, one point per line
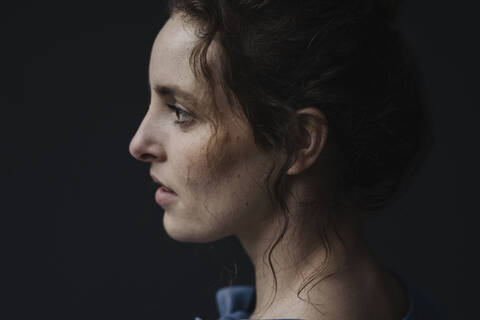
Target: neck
343 270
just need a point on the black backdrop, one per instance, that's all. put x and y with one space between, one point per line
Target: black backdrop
83 231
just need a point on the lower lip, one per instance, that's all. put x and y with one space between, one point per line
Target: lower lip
164 198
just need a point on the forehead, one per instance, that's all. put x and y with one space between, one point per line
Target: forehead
170 67
169 60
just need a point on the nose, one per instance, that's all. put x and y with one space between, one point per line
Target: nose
145 145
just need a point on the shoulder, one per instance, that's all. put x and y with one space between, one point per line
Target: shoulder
421 306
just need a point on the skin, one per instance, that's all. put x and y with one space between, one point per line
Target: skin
229 197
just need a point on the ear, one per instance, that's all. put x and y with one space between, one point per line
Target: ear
314 130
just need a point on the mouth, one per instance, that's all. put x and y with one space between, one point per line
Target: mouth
162 186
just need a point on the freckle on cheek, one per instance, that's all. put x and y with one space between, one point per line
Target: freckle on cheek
226 137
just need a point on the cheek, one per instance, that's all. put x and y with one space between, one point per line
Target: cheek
229 184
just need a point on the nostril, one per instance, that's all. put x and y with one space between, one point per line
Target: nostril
146 157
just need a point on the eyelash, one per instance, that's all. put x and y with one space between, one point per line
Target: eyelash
179 112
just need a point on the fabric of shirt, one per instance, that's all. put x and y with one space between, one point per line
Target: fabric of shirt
237 302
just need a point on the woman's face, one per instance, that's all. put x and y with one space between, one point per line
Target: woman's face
210 202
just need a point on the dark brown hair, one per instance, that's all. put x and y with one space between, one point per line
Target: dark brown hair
345 58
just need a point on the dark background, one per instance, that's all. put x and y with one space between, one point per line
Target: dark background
82 228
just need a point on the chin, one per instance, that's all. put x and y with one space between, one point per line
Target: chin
192 233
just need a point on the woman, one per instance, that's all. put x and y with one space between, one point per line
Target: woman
286 124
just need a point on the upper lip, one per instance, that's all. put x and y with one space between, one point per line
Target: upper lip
160 182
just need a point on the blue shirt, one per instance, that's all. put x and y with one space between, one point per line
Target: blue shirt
237 302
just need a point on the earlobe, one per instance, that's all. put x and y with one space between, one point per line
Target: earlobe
298 166
314 126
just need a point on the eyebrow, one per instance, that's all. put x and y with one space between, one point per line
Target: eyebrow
174 90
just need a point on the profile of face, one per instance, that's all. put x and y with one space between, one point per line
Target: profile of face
211 202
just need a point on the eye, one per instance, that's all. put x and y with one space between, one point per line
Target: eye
183 116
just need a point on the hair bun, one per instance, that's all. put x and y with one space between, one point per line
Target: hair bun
389 9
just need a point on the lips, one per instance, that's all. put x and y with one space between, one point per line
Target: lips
161 184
